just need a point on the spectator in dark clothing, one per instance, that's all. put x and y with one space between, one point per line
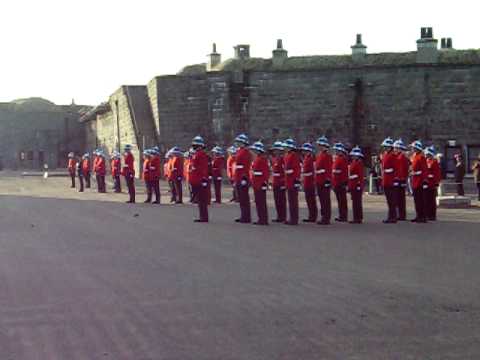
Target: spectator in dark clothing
459 174
476 174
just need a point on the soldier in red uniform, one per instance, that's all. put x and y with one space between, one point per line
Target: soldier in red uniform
156 173
218 164
292 179
116 166
175 174
128 171
308 175
100 172
419 181
86 169
170 174
259 175
401 178
433 179
147 174
72 166
323 178
232 150
243 161
356 182
340 181
198 176
390 179
78 170
278 181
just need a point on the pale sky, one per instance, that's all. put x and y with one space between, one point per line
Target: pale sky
64 49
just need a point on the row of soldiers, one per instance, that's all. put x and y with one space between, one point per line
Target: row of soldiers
287 168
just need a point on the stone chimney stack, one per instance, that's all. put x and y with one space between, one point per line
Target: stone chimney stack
446 44
427 50
242 52
214 59
279 54
359 51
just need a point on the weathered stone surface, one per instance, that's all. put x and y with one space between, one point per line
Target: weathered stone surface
454 202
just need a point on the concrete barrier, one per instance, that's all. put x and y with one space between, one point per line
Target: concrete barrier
453 202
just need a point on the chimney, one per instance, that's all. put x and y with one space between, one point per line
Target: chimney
446 44
279 54
242 52
214 59
359 51
427 51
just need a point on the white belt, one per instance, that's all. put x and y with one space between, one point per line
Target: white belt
337 171
321 171
351 177
289 171
257 173
239 167
419 172
308 174
219 178
430 176
276 174
388 171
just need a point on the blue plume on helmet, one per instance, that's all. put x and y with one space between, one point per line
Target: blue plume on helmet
323 141
198 140
307 147
290 144
242 138
356 151
258 146
388 142
417 145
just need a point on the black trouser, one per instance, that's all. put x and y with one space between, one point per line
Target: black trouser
261 205
419 200
280 197
87 180
292 196
179 190
173 191
341 195
201 192
431 203
156 189
149 187
311 203
130 180
478 188
357 206
391 194
72 177
80 180
460 190
325 202
101 187
244 200
116 184
401 203
234 192
217 184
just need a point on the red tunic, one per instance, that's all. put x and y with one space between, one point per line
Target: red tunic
116 167
231 167
292 169
419 170
243 161
146 174
403 164
186 167
260 172
95 163
278 171
100 168
175 170
128 165
434 174
155 168
389 167
323 168
356 175
72 164
339 171
198 168
85 166
308 171
218 163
